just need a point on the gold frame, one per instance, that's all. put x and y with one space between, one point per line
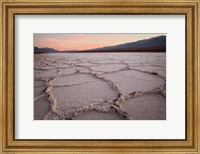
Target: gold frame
9 8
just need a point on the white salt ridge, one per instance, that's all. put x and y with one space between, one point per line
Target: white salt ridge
152 69
130 81
95 91
108 67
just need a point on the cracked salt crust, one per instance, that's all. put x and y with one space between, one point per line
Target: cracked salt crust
100 86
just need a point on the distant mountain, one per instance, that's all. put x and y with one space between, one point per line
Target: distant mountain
158 42
50 50
44 50
154 44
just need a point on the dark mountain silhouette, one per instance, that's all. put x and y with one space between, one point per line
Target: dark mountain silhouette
41 50
154 44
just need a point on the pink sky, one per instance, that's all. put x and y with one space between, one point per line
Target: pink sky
62 41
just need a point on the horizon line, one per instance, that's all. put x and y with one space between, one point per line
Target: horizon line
99 47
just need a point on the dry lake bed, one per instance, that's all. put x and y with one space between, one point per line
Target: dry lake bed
100 86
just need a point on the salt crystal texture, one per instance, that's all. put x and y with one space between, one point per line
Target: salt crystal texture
100 86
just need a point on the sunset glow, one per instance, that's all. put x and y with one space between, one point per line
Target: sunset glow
62 41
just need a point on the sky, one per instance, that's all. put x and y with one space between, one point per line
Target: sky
83 41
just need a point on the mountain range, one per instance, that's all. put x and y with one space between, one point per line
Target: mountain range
154 44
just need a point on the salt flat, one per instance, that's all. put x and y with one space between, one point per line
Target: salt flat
100 86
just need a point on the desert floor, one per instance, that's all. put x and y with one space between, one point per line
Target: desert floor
100 86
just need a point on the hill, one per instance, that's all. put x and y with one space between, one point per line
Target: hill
154 44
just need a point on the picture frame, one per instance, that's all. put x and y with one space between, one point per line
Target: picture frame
40 7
